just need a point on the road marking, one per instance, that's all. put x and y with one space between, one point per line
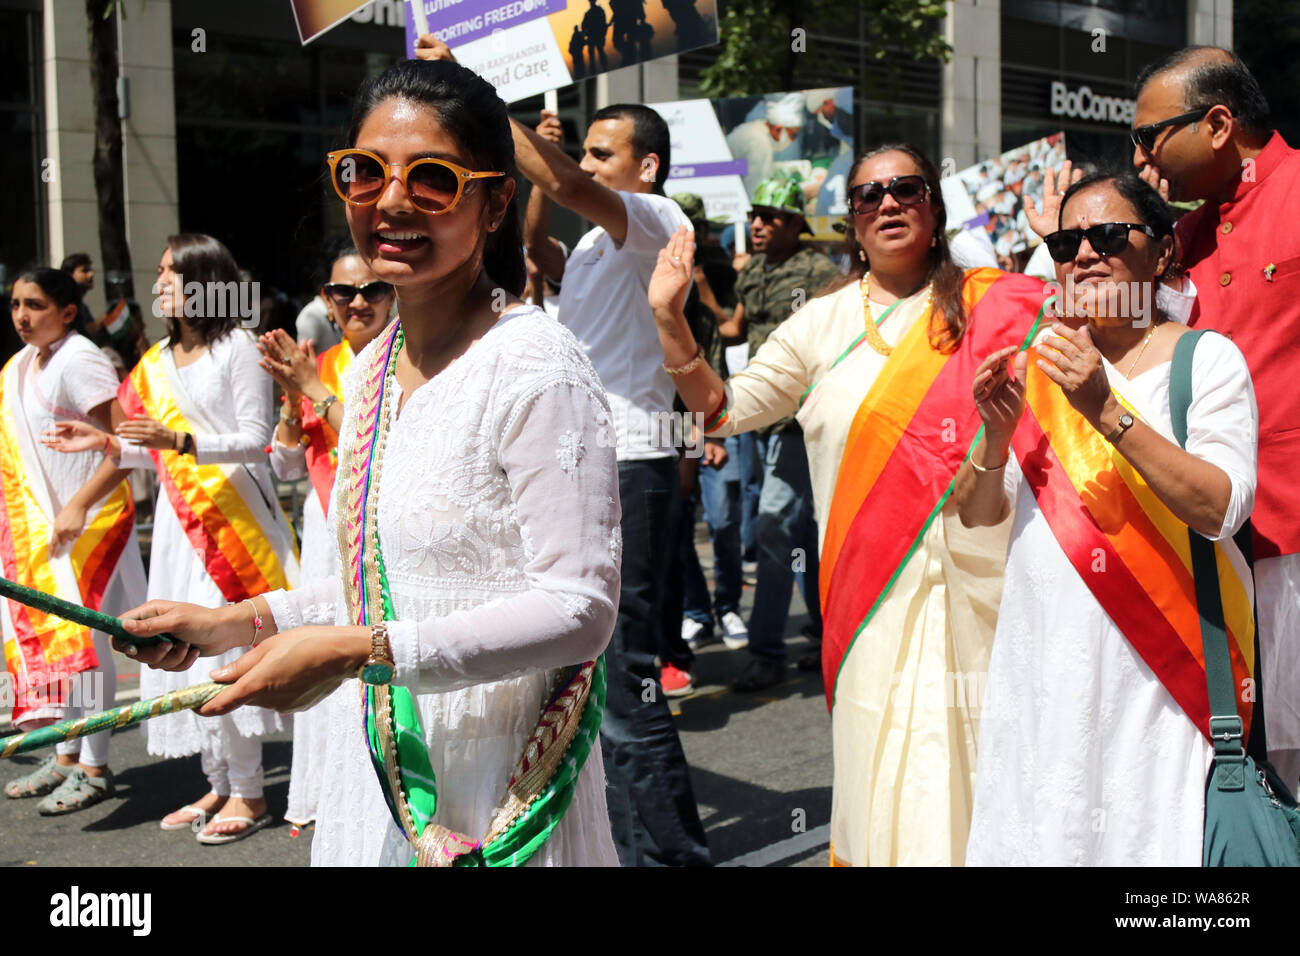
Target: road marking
798 845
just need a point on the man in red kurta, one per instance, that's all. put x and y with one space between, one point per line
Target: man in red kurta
1201 127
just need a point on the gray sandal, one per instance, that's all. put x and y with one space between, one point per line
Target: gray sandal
38 783
78 792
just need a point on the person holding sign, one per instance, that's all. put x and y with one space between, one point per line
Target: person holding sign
877 373
619 186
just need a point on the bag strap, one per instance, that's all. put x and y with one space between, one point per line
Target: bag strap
1226 731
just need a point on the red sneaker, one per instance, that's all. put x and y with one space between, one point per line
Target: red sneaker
675 681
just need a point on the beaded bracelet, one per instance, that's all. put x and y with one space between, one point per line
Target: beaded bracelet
257 621
689 366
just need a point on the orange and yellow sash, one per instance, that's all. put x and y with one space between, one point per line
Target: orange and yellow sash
42 649
322 451
1129 548
911 433
225 514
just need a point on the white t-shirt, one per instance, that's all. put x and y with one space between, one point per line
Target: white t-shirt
603 301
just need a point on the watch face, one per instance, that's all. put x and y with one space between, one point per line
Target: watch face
1126 420
377 672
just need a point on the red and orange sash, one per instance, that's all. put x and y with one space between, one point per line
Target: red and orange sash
228 518
322 451
1129 548
41 649
911 433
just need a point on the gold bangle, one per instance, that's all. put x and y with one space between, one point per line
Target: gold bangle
690 366
985 471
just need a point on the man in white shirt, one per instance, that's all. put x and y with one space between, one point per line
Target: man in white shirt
619 187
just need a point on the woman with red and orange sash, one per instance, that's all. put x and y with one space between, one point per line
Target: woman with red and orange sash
200 414
1094 744
59 669
306 442
878 375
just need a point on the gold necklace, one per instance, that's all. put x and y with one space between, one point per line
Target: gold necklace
1146 340
872 330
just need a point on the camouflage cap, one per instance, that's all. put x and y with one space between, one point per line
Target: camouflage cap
693 206
784 193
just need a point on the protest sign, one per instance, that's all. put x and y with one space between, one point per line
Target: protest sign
991 194
315 17
722 149
526 47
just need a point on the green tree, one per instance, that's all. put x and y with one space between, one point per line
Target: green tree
765 45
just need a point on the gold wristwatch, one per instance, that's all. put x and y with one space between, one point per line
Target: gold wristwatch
378 668
321 407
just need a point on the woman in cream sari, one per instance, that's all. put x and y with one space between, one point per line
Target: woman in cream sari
877 373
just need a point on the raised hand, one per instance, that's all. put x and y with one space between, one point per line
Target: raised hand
671 281
429 47
550 128
68 525
999 390
1046 220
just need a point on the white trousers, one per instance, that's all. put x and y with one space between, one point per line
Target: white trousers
231 762
93 691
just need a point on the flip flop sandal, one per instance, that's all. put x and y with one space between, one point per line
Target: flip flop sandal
195 823
77 792
217 839
44 779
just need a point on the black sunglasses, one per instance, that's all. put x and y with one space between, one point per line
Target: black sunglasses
372 292
906 190
1144 137
1106 239
767 214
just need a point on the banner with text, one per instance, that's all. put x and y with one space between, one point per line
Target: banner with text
526 47
723 148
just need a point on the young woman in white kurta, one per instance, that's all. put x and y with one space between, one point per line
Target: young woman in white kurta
497 514
63 375
216 364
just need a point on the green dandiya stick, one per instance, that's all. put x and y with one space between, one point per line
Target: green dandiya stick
141 710
95 620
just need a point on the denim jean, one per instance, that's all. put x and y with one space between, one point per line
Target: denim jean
651 805
720 491
750 464
786 522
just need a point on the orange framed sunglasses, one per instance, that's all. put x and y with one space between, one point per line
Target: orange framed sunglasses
434 186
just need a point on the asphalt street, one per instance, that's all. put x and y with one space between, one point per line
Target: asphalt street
760 766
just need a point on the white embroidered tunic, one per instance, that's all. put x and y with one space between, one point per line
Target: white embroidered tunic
498 519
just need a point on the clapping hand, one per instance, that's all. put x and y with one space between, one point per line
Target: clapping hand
1069 359
1000 393
291 364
